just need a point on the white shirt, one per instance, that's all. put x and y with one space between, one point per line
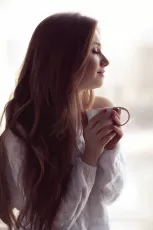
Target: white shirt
91 188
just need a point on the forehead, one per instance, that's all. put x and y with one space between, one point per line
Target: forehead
96 37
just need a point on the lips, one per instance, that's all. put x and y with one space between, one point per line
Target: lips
101 71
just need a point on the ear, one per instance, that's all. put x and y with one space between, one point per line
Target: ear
101 102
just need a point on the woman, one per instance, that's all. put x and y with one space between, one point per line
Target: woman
56 168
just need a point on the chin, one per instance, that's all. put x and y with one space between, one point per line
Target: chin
94 85
98 85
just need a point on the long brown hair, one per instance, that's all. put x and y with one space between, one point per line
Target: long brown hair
45 112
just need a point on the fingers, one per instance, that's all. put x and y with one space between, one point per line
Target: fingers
115 113
99 118
95 120
108 138
103 124
118 131
118 110
116 119
104 131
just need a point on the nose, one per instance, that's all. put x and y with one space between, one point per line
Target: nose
104 61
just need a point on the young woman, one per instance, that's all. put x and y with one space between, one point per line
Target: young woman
58 169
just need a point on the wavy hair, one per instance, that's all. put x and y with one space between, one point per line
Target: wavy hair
45 113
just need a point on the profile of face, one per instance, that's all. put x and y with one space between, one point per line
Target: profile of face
95 66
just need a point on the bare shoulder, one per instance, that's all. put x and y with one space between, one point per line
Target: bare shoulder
101 102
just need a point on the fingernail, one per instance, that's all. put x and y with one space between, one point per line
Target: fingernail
118 110
105 110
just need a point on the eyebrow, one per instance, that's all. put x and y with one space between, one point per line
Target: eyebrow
97 43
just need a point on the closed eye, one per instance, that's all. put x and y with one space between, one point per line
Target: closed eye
96 51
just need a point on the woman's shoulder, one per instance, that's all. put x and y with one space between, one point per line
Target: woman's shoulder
101 102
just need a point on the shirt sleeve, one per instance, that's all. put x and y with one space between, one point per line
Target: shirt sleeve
14 151
81 183
110 175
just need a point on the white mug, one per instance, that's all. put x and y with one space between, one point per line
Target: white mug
107 113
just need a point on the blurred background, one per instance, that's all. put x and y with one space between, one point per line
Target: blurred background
127 41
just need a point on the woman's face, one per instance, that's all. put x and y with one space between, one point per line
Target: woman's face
95 66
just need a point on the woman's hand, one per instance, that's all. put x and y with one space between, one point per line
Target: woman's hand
97 134
119 133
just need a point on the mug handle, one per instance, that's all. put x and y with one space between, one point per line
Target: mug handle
122 108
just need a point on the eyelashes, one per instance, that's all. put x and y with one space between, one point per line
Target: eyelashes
96 51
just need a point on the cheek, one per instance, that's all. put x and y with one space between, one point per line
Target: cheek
92 66
90 73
